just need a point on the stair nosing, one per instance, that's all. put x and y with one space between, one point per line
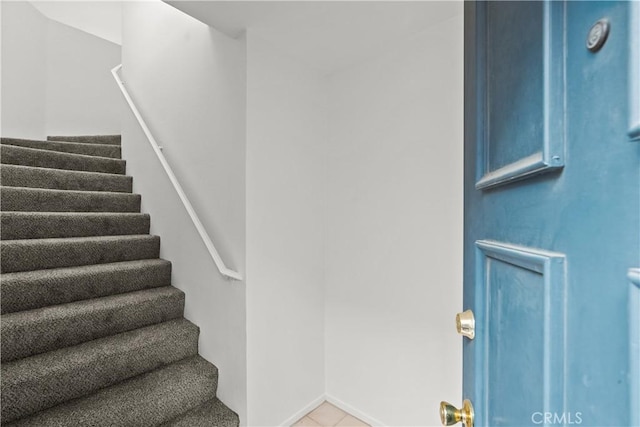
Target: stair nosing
80 267
70 171
79 145
55 138
84 144
66 213
64 153
87 238
71 191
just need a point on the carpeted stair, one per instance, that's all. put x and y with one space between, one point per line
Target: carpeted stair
92 331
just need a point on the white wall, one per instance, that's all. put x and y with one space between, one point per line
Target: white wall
56 79
81 98
394 242
189 83
100 18
353 213
286 212
23 70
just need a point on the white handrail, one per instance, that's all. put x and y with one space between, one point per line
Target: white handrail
172 177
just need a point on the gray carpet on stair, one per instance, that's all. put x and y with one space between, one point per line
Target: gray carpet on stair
210 413
45 200
27 290
56 179
92 332
144 401
100 150
40 382
13 155
27 333
89 139
38 254
44 225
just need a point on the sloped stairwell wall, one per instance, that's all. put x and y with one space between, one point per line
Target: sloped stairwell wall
188 81
55 78
23 64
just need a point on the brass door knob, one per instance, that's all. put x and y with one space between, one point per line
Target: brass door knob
450 415
466 324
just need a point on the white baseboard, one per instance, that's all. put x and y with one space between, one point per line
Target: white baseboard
304 411
336 402
353 411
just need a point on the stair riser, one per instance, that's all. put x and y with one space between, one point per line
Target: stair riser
211 413
145 401
27 255
100 150
39 200
89 139
55 179
13 155
53 378
17 225
35 289
28 333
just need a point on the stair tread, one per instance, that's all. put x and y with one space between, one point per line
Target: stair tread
28 290
94 150
70 240
63 179
25 199
31 332
211 413
97 193
42 381
14 155
146 400
88 139
40 254
41 225
74 214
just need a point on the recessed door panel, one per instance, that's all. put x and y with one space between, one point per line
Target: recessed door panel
520 84
634 344
516 315
515 82
523 331
634 71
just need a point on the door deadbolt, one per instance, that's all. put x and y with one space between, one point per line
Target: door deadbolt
450 415
466 324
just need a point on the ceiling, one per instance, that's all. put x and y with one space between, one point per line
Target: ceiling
327 35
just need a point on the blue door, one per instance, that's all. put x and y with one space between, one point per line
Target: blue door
552 212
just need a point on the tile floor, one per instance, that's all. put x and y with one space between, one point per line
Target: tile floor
327 415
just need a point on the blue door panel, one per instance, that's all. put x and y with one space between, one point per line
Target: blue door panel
514 123
553 336
523 330
520 90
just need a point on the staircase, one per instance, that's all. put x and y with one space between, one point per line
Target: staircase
92 331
